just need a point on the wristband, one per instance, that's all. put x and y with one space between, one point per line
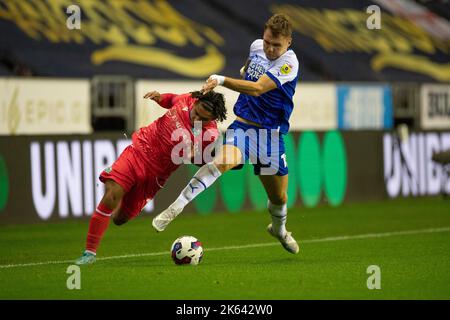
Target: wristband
220 79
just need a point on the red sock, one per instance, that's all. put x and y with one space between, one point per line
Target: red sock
97 227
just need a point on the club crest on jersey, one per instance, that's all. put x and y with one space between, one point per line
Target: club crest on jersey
286 68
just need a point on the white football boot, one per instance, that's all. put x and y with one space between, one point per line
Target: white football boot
288 242
162 220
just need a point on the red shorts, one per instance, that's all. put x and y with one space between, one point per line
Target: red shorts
140 185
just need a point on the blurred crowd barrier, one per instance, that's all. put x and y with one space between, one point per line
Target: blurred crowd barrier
348 142
55 177
116 103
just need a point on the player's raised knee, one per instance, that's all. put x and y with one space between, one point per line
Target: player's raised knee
119 220
227 158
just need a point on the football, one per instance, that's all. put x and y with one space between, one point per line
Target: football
187 250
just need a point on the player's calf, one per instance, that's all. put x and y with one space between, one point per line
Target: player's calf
113 194
204 178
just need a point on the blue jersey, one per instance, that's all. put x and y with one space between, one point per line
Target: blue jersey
273 108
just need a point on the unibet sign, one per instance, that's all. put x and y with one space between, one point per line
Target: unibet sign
313 168
408 166
64 175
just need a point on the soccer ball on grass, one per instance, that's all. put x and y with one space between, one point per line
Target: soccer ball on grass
187 250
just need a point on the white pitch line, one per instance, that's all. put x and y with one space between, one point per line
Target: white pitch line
256 245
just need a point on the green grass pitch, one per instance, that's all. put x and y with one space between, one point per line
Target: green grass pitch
408 239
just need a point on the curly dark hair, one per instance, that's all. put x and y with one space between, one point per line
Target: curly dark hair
213 102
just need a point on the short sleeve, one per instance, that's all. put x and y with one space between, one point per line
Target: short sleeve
255 46
285 69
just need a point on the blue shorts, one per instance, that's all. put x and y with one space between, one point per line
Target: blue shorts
264 148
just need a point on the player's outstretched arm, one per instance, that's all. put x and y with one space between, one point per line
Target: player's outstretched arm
165 100
263 85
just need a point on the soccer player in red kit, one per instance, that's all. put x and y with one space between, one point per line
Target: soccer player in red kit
143 167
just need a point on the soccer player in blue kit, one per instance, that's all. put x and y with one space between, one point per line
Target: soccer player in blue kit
262 118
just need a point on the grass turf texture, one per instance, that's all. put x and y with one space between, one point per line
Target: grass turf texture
413 266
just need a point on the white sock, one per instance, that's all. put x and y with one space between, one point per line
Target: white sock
204 177
279 217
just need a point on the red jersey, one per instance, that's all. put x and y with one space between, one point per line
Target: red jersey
157 141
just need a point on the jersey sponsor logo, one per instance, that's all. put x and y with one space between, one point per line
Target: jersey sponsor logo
286 68
256 68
